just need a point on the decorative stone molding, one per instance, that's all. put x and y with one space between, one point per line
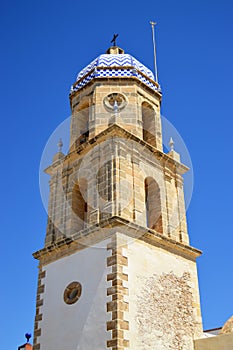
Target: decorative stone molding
95 234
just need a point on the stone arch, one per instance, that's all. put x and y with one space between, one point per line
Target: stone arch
148 123
82 113
79 205
153 205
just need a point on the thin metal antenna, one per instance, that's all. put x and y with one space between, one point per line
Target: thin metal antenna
153 37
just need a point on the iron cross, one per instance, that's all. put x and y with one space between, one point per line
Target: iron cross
114 39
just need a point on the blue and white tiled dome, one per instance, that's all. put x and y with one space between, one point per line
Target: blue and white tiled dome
114 66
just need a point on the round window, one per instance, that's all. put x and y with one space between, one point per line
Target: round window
72 293
115 100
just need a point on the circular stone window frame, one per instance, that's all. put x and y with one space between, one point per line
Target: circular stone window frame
74 288
115 96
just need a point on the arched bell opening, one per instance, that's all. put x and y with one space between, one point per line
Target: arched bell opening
148 123
153 205
79 205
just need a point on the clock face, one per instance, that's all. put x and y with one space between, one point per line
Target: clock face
115 100
72 293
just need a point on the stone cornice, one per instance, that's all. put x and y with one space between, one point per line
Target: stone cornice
97 233
116 130
96 80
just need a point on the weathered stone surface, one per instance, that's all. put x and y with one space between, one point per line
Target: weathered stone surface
165 312
219 342
228 326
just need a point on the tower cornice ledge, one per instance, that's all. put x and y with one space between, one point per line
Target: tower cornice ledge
97 233
117 130
97 81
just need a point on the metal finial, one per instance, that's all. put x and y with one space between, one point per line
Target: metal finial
60 145
114 39
171 144
28 336
115 107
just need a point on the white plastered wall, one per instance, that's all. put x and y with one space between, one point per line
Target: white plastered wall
82 325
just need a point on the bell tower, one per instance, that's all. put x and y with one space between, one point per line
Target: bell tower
117 270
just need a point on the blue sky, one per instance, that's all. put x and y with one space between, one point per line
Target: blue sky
44 44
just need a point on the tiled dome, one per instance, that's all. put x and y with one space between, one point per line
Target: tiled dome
114 66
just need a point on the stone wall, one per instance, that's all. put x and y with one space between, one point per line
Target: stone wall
89 111
220 342
115 184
